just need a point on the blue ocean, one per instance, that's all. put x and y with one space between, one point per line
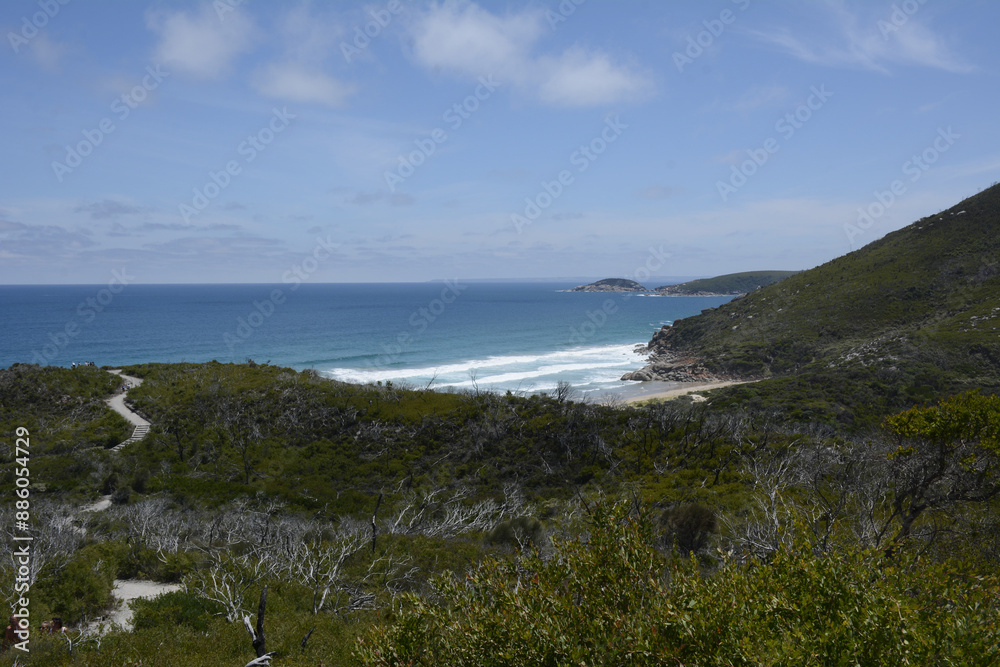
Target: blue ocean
522 337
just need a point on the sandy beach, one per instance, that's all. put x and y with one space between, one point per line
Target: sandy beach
682 390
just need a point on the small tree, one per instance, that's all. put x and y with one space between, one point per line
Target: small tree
945 455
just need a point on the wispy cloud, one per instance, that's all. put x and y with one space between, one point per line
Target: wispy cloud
462 37
297 83
118 229
209 246
380 196
848 41
30 241
107 209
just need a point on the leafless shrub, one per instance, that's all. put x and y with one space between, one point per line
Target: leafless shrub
432 515
228 578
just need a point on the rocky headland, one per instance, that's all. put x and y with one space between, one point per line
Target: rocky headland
667 364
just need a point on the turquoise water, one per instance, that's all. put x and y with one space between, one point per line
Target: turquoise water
501 336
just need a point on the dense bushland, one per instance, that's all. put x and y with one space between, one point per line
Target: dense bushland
611 598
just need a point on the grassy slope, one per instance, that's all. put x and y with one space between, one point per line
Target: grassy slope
731 283
917 309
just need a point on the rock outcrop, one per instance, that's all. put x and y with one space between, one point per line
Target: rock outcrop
669 365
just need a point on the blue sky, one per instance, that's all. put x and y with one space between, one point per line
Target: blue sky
403 140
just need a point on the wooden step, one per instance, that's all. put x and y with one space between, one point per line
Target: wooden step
138 433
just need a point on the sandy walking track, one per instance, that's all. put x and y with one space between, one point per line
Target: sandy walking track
126 590
117 403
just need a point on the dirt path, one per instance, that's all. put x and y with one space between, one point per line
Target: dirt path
127 590
101 504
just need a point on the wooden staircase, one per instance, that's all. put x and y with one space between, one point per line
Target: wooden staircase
138 434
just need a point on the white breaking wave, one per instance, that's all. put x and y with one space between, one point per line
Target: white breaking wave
584 368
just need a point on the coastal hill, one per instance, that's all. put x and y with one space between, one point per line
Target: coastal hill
611 285
917 311
726 285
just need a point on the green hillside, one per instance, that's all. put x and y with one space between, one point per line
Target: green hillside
918 308
731 283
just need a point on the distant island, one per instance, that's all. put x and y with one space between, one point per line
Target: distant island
611 285
731 284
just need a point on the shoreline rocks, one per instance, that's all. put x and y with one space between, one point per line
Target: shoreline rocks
667 365
672 368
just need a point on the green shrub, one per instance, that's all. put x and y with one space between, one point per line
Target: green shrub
522 531
688 526
82 588
173 609
613 599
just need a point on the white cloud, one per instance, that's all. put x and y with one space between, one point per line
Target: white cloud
578 78
916 44
204 44
297 83
461 37
869 45
298 76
